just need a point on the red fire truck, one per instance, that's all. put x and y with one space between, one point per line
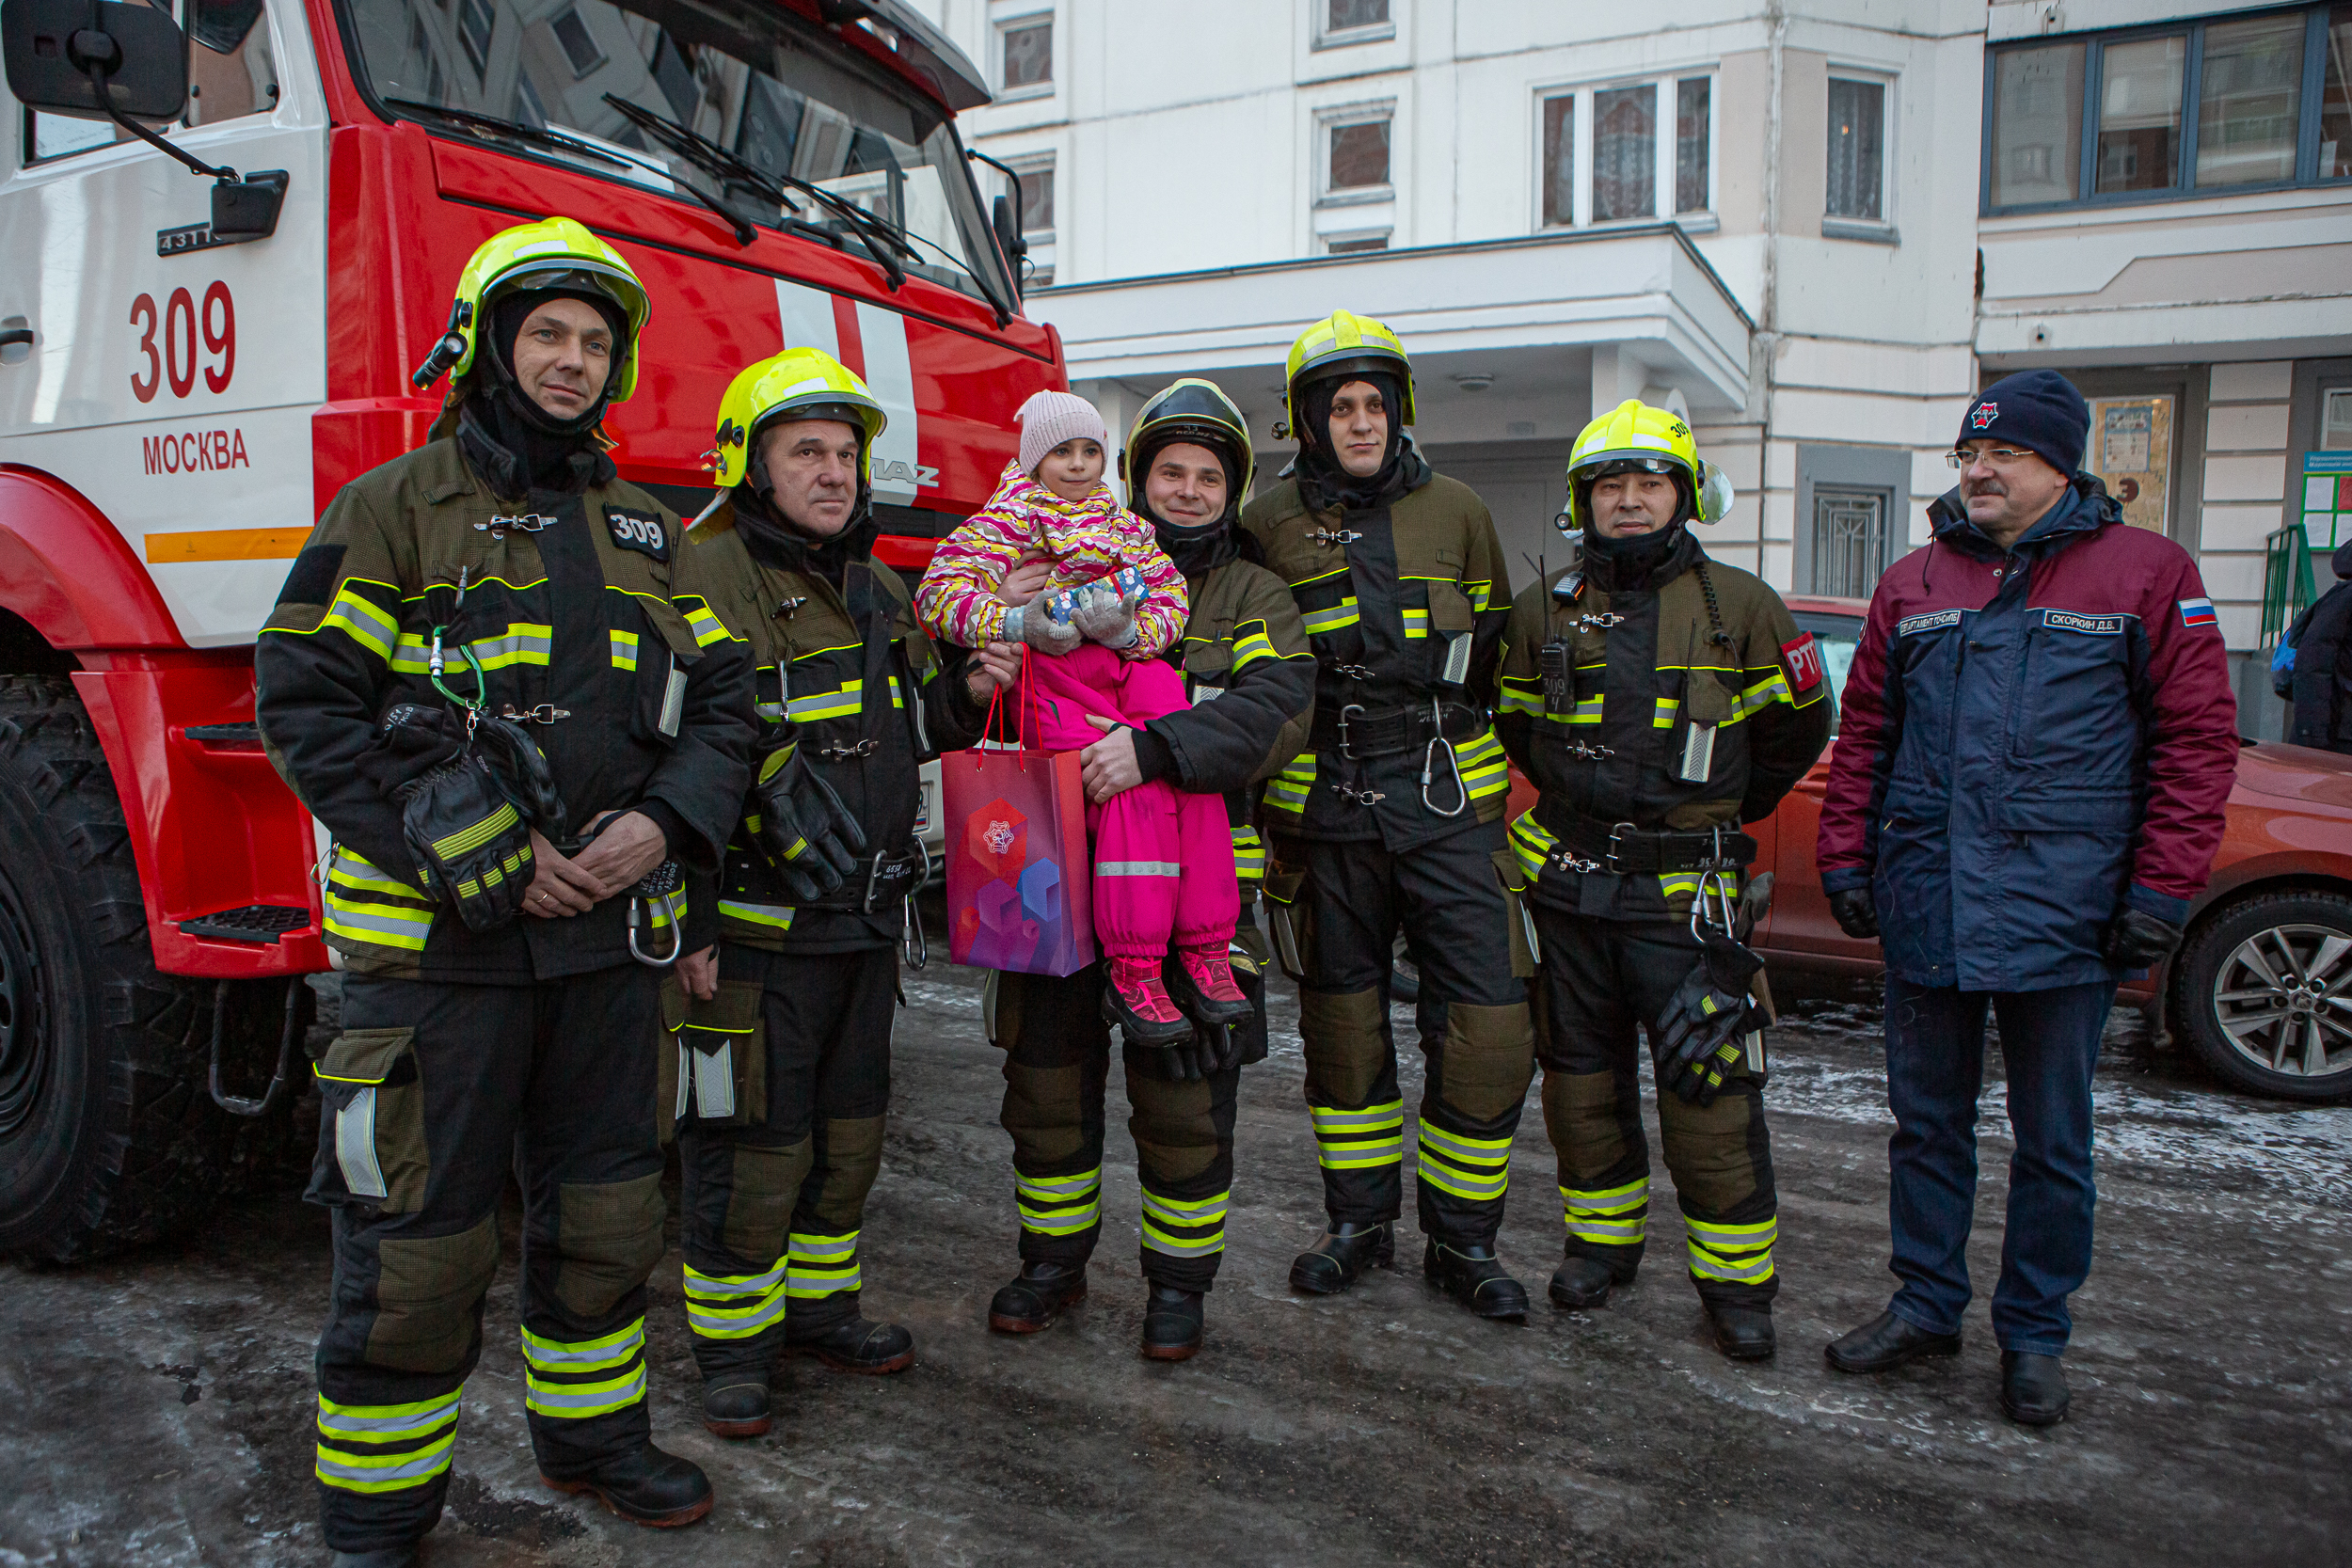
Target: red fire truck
192 365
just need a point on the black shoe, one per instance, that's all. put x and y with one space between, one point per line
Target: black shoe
383 1556
1031 1303
2033 1388
735 1410
858 1346
649 1487
1885 1343
1580 1282
1474 1276
1742 1333
1172 1324
1337 1260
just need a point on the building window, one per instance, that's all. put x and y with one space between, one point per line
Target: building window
1857 150
1848 541
2335 419
1028 47
1036 199
1356 161
1345 22
2234 103
579 47
1640 163
1355 245
475 23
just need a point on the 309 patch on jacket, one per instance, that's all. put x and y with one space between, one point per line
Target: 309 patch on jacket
633 530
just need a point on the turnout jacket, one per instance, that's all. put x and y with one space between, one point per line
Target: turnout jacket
1251 678
1403 605
577 608
846 673
2029 738
1640 670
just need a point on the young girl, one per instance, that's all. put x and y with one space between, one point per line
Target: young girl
1162 859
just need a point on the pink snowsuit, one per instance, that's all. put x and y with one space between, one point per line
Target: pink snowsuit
1162 857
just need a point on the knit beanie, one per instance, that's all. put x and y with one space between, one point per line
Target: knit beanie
2037 410
1049 419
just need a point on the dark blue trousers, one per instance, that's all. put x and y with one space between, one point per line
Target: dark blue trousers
1934 1071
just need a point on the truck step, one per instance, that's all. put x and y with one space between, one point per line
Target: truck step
256 923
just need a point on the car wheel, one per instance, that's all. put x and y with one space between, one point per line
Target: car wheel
2264 995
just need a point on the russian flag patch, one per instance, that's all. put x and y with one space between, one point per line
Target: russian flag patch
2198 612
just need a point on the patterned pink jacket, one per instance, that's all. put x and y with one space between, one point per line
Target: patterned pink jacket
1085 539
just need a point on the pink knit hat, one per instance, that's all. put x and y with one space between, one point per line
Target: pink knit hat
1049 419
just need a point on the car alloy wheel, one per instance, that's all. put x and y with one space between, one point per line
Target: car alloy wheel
2283 999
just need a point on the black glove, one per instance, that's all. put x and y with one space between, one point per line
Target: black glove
1855 915
803 830
1702 1035
472 847
1203 1053
2137 939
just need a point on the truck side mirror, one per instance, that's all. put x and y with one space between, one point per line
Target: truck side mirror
56 49
1008 226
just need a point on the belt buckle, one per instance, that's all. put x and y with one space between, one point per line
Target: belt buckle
1609 856
1347 751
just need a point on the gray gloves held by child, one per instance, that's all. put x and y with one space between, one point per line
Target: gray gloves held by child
1034 624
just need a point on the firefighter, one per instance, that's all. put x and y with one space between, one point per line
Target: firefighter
780 1076
1657 699
1392 817
493 680
1244 655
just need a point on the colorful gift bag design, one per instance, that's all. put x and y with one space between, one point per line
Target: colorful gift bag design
1019 879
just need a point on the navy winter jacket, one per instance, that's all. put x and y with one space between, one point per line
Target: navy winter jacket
2028 740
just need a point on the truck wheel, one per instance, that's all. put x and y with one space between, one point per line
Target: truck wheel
2264 993
108 1134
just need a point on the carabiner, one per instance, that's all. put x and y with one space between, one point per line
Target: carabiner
670 902
437 662
1723 913
913 943
1429 767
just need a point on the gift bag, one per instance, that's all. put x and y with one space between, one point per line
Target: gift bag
1020 880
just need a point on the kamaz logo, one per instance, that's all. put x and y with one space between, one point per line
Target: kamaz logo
913 475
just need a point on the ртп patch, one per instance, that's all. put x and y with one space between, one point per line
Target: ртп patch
635 531
1935 620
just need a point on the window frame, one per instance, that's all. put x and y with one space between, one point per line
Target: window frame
2095 44
1838 225
1664 87
1000 28
1026 164
1329 37
1329 122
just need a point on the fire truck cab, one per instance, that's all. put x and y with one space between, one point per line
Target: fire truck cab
187 377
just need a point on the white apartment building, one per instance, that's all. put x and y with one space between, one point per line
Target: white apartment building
1816 224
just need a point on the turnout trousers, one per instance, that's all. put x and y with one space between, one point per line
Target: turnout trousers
431 1093
1601 981
1057 1072
1934 1071
1348 899
774 1196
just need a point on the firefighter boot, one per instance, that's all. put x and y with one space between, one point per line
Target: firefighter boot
1742 1333
1136 1000
1581 1282
648 1487
1337 1260
735 1410
1031 1303
1172 1322
1474 1276
874 1349
383 1556
1202 983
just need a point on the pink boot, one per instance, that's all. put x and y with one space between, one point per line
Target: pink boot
1134 999
1205 987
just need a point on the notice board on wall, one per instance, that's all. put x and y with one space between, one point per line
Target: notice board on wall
2131 449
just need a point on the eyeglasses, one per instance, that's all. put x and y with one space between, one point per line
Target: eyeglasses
2000 457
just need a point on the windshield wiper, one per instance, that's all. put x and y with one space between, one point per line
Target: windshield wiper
744 232
723 165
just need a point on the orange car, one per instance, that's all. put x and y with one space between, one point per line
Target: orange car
2261 988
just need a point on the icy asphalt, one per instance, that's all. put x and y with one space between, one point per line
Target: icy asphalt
156 1409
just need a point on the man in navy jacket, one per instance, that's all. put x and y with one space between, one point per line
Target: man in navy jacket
2038 740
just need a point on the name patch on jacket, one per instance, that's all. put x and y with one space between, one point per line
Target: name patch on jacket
2093 625
1802 660
1935 620
633 531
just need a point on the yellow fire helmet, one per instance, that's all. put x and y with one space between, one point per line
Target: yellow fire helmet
805 382
1343 341
1189 410
1633 436
554 253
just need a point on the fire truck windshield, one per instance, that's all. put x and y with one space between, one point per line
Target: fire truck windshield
793 108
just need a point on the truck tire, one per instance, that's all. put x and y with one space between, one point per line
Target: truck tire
2261 979
108 1133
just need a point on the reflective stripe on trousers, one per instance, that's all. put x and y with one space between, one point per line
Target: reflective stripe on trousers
1059 1205
385 1447
1741 1253
590 1377
1185 1228
821 1265
734 1307
1358 1140
1610 1216
1478 1169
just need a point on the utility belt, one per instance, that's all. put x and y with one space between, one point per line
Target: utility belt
1359 734
1587 844
875 881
